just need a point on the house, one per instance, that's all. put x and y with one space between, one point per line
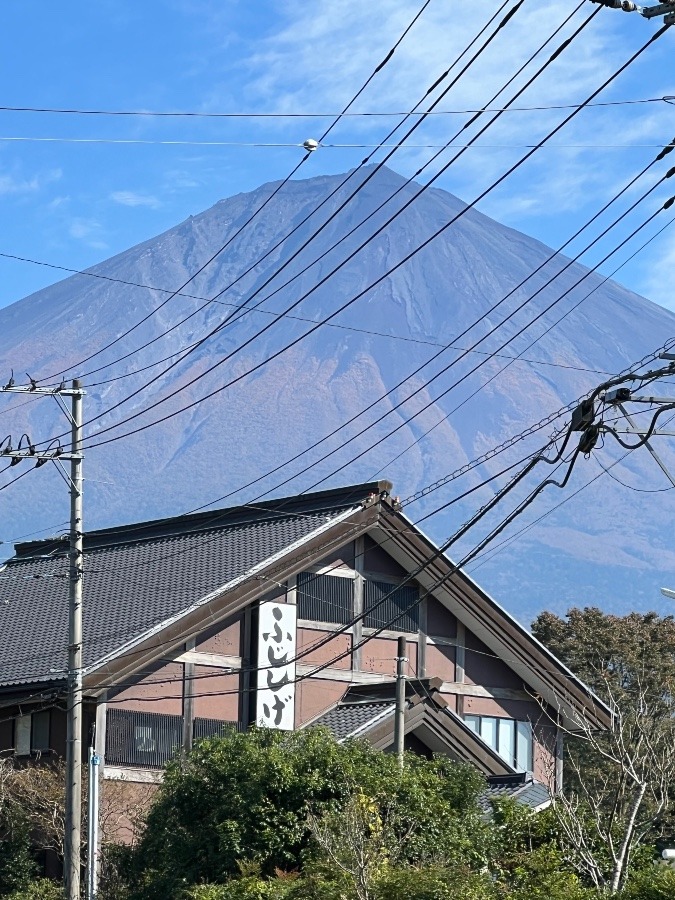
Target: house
285 614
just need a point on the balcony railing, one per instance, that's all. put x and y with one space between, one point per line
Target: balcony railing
144 740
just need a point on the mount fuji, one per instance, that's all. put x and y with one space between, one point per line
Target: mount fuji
608 544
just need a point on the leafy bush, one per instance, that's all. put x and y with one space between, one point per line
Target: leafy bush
42 889
17 866
246 797
434 884
654 883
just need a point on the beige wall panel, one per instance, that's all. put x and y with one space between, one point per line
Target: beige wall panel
216 695
159 692
314 696
339 643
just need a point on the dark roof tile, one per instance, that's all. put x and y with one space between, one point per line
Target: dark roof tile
349 719
130 587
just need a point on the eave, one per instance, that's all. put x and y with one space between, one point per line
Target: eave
546 677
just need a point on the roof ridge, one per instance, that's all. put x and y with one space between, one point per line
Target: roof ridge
213 520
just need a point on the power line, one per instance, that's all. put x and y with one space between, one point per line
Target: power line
503 545
546 331
320 146
458 359
193 114
402 262
267 200
266 312
344 203
534 460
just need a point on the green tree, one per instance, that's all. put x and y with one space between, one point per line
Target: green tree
17 865
249 797
617 791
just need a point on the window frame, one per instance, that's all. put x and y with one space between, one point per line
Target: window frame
25 738
521 730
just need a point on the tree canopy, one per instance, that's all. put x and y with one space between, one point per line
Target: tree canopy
618 785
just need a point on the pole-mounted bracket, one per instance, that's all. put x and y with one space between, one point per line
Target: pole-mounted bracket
27 389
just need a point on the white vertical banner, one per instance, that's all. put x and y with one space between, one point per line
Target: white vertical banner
275 702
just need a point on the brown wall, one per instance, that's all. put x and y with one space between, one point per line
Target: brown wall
344 557
481 666
441 662
379 656
216 694
338 644
160 691
122 807
315 696
440 621
224 639
378 561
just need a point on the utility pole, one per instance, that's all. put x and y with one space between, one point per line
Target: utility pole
399 721
27 451
74 700
92 818
667 9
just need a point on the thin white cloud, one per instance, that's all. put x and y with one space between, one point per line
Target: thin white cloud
133 198
14 183
333 48
88 231
658 283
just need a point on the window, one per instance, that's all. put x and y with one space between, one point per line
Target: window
391 607
144 739
325 598
511 739
40 731
31 733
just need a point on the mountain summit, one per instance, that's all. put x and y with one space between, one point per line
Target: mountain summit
609 545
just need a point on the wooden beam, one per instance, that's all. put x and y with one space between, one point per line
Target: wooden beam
345 675
478 690
213 660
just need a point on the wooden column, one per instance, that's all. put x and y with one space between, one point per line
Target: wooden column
188 699
460 662
359 565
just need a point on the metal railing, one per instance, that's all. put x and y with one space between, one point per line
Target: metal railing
143 740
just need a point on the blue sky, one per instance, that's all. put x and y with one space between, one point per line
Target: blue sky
74 204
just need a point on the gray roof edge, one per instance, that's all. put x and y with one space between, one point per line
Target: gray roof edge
212 595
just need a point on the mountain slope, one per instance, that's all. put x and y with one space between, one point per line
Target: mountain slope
610 545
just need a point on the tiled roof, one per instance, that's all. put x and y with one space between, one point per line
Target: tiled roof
351 719
522 787
134 582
